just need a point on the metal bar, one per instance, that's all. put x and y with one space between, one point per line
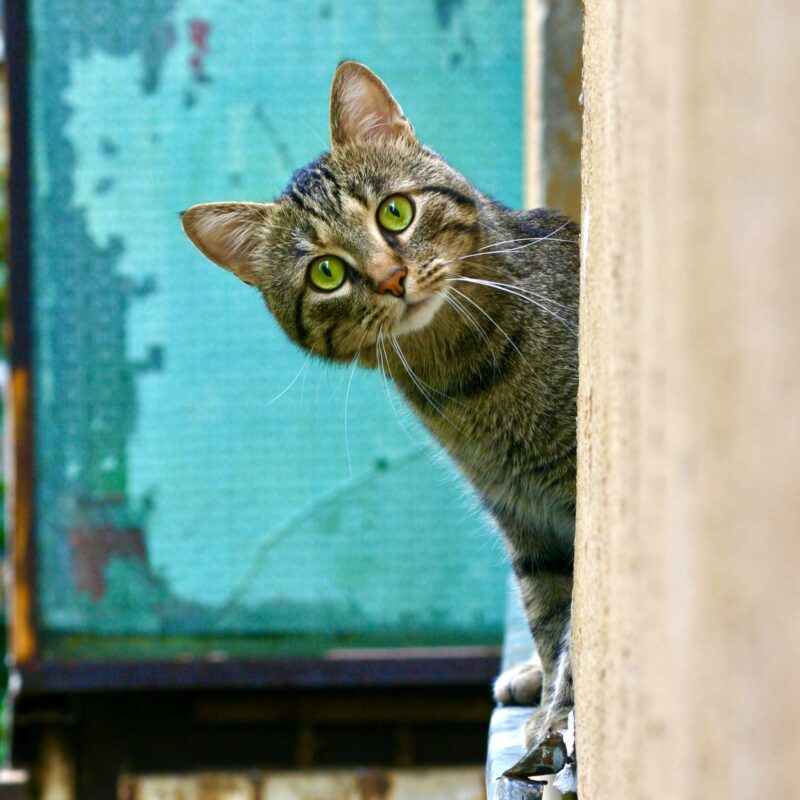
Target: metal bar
20 514
431 670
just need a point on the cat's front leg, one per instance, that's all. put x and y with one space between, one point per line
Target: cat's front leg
547 596
548 752
552 715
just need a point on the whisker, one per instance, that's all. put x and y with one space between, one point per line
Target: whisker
483 251
346 400
383 361
532 238
316 133
433 388
294 380
509 241
517 293
518 248
543 297
419 383
508 338
411 374
305 375
462 311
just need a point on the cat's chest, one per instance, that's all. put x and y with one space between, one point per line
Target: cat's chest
497 441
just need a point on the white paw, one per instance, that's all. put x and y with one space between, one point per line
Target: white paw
520 685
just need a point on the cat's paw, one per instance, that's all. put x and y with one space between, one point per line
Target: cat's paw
545 722
520 685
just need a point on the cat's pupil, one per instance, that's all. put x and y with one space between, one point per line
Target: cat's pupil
326 268
393 209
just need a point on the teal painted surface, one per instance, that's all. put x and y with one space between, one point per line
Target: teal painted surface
181 491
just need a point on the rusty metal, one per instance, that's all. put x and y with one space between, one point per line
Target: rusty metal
548 758
24 644
18 333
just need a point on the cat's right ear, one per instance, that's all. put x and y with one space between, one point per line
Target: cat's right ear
362 108
229 234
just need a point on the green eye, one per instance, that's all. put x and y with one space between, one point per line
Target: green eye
327 273
395 213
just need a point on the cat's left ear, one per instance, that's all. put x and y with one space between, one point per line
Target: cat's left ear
362 108
229 234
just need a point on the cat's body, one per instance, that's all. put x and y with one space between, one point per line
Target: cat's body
471 308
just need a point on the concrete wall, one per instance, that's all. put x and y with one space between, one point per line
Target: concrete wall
687 606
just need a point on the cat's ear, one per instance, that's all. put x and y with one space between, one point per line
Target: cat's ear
362 108
229 234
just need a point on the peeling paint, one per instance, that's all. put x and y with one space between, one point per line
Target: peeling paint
154 372
445 9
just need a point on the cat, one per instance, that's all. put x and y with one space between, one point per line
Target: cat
379 252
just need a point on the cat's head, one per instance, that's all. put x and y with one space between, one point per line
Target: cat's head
363 239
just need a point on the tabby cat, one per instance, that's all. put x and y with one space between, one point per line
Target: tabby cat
379 252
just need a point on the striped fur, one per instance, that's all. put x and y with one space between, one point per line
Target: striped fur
483 344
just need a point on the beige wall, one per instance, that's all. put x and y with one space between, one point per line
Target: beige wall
687 607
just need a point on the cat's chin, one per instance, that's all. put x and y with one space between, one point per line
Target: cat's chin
417 315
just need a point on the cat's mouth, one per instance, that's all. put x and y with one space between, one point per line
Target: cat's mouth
418 313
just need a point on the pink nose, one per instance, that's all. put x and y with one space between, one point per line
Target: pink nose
394 283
